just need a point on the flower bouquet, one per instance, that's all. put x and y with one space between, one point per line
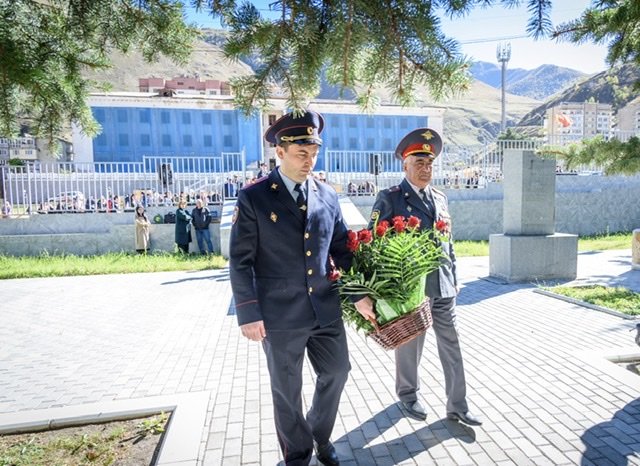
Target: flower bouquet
390 265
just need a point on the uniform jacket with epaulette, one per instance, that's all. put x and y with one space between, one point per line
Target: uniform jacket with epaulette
279 263
403 200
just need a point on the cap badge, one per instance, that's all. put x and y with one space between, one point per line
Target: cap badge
427 135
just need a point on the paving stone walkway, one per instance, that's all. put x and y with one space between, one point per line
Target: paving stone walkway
535 365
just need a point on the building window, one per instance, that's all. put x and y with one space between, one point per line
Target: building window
335 143
387 122
353 143
272 119
98 113
122 115
226 118
206 118
371 122
371 142
101 140
335 122
227 141
145 140
166 140
208 140
403 123
386 144
186 118
353 123
165 117
145 116
187 140
123 140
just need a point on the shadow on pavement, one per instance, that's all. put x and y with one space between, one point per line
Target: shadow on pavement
354 443
614 441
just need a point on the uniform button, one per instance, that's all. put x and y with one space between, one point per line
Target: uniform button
306 236
310 289
310 272
308 253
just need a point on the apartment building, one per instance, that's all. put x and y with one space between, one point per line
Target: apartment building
629 120
571 121
184 85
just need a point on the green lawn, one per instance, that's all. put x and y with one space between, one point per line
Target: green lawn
615 298
47 265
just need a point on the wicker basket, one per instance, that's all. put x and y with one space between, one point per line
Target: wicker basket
404 329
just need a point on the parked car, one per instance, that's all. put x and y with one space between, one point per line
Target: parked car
69 200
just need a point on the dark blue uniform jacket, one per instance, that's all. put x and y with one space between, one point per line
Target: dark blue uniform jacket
279 263
403 200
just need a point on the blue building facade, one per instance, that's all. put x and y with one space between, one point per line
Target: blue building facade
365 133
131 133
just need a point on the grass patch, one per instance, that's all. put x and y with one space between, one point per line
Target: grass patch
471 248
585 243
126 443
616 298
605 242
46 265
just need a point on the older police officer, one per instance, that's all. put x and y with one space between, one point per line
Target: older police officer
285 227
414 196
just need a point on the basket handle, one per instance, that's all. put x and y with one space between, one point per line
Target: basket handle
374 322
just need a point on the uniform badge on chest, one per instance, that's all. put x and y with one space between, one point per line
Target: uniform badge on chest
273 217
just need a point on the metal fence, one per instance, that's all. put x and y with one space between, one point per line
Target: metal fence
99 187
49 187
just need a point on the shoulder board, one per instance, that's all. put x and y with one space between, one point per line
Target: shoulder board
437 191
394 189
256 182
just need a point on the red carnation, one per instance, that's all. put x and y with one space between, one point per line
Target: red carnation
413 222
441 226
365 236
382 228
352 241
334 275
398 224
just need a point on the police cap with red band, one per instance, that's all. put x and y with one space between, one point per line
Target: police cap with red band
421 142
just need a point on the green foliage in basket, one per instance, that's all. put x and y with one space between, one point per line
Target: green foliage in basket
390 265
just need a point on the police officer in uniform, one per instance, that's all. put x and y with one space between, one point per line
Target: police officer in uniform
414 196
285 228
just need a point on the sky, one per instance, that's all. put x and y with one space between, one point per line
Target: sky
480 32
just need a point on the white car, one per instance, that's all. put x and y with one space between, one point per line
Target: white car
70 200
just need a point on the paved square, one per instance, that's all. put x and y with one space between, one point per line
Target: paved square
532 363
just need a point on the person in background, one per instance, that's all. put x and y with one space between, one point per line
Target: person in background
143 225
201 218
264 171
415 196
183 226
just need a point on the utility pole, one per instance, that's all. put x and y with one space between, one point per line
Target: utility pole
503 54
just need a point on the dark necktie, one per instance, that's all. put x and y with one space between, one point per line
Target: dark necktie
300 200
427 201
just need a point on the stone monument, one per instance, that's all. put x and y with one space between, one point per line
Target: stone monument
530 249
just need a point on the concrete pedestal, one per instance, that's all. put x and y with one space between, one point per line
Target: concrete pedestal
526 258
635 250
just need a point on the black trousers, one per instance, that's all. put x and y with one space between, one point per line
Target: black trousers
327 350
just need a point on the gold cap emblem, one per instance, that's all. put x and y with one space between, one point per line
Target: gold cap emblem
427 135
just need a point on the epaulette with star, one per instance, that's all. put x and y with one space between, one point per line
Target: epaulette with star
394 189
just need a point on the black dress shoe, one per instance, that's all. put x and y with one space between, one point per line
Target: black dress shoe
414 409
326 454
466 418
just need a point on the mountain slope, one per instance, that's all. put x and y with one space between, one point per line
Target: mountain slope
614 86
206 62
539 83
